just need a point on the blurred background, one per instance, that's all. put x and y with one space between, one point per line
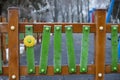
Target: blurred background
75 11
59 10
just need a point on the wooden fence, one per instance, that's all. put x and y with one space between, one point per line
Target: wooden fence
13 27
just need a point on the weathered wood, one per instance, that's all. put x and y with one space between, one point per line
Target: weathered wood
3 41
99 28
100 44
3 47
5 71
39 26
50 72
13 44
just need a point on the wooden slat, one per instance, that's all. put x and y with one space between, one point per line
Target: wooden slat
50 72
3 27
44 49
13 44
57 48
5 71
38 27
108 69
70 49
100 44
77 26
3 43
30 51
84 49
114 44
108 27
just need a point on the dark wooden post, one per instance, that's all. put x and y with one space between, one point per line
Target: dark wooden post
13 44
0 9
3 43
100 43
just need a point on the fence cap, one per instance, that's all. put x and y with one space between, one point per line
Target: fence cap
13 8
99 9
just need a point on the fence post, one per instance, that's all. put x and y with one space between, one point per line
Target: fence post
13 43
100 43
3 43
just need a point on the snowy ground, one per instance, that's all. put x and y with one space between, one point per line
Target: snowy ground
77 43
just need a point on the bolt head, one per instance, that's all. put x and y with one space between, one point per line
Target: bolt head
42 70
57 70
57 28
99 74
101 28
12 28
72 70
86 28
13 77
115 68
68 28
83 69
47 28
114 28
29 41
31 70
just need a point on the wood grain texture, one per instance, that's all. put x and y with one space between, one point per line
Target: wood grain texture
100 44
3 41
13 44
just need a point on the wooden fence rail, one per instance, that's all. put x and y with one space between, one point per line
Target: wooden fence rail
13 27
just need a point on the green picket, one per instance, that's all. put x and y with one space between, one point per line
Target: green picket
84 48
70 49
57 48
44 49
30 51
114 42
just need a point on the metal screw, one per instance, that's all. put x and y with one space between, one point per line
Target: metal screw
31 70
114 28
83 69
12 28
42 70
13 76
101 28
68 28
114 68
99 74
29 41
46 28
72 70
57 28
57 70
86 28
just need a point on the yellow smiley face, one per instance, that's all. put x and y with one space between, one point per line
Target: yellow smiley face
29 41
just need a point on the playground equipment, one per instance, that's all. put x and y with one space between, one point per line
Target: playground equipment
13 27
91 15
110 9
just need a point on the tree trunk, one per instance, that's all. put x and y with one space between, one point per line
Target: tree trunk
78 11
55 11
63 17
81 10
67 16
